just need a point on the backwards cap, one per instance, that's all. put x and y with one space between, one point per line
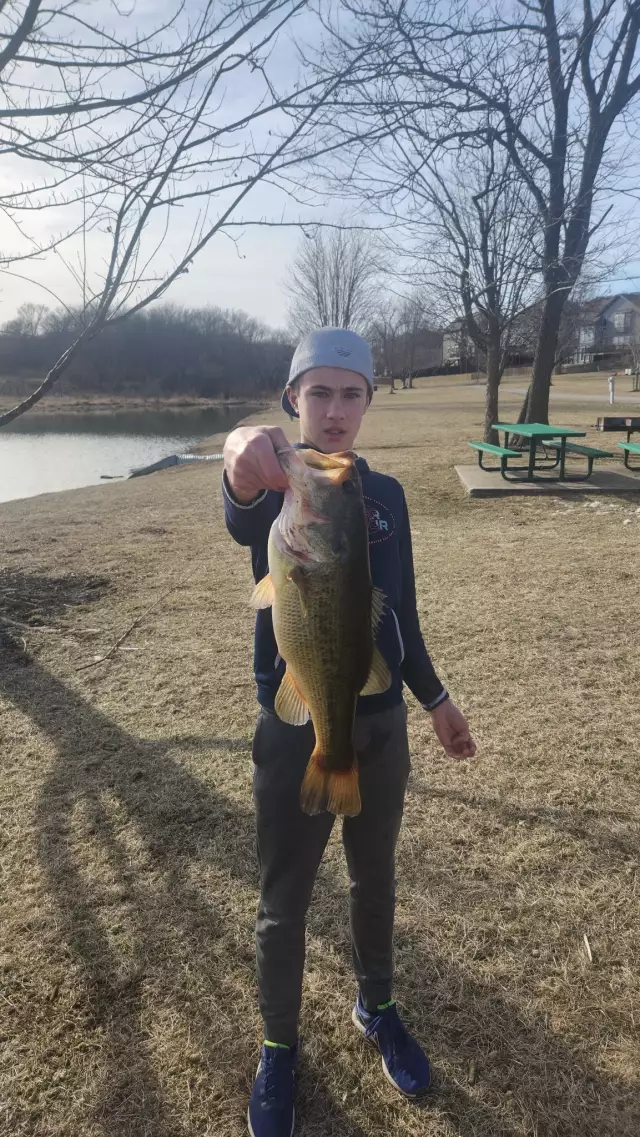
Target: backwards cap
330 347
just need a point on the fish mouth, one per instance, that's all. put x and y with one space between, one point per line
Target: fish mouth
334 468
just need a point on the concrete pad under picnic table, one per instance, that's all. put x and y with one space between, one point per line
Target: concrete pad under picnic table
604 480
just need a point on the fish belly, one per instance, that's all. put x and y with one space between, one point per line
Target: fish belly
323 632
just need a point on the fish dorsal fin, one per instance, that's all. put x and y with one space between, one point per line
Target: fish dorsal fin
379 676
290 706
264 593
378 601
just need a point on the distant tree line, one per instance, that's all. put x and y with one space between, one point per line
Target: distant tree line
162 351
338 279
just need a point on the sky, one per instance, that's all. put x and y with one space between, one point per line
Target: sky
244 268
248 271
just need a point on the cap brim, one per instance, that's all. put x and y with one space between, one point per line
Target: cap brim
287 406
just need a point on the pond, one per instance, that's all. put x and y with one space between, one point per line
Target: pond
42 453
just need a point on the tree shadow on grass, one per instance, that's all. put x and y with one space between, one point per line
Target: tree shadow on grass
500 1069
592 824
526 1079
119 786
529 1080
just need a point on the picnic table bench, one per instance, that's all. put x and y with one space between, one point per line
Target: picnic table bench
501 452
629 449
588 452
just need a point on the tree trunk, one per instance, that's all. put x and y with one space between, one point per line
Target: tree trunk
491 394
536 407
524 409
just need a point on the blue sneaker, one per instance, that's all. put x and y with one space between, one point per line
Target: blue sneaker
271 1112
403 1060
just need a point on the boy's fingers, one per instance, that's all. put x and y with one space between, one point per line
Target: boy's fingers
251 461
270 468
278 437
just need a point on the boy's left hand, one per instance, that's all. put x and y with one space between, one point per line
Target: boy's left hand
452 730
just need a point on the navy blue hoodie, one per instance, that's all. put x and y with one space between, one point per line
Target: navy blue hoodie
399 637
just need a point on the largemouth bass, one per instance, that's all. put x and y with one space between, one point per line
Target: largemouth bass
325 615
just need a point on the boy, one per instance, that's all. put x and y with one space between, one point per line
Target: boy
330 387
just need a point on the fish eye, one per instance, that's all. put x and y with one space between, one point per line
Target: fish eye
348 486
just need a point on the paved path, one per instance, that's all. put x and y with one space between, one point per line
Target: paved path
576 395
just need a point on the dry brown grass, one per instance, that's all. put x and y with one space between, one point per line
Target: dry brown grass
127 1004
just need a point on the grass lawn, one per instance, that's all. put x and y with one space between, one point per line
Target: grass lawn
129 881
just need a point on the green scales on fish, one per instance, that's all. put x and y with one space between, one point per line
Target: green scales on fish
325 617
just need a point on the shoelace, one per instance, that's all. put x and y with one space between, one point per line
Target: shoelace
390 1020
270 1077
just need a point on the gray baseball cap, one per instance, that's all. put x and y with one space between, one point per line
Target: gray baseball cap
330 347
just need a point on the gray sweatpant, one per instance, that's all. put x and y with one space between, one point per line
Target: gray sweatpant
290 848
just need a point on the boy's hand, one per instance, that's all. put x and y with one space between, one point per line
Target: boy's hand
250 461
452 730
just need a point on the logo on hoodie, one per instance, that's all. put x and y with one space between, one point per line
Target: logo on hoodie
380 520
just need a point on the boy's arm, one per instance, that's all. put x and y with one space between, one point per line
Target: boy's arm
249 524
253 482
418 671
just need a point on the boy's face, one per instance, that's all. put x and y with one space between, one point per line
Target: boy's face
331 403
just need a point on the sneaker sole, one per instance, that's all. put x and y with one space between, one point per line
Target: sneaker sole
363 1031
293 1125
293 1120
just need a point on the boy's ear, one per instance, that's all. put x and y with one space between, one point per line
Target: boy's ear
292 396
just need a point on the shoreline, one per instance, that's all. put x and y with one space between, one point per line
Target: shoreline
209 444
76 404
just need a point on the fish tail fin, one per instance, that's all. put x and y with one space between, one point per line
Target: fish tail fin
338 791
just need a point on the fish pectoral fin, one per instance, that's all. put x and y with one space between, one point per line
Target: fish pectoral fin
299 577
378 601
264 593
379 676
290 706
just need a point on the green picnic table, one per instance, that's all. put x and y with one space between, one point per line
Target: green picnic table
551 438
537 432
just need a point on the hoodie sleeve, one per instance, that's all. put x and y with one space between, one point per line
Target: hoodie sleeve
250 524
418 671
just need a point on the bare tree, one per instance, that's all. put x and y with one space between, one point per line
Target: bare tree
556 85
476 234
383 333
170 145
333 281
81 95
412 324
634 351
403 337
29 320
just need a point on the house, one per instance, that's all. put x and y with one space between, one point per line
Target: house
609 325
456 344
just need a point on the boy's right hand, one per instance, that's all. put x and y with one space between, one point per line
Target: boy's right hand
250 461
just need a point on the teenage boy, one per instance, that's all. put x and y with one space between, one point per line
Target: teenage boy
330 387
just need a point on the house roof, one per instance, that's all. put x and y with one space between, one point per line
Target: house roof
593 309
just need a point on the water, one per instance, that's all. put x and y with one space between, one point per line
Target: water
45 453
